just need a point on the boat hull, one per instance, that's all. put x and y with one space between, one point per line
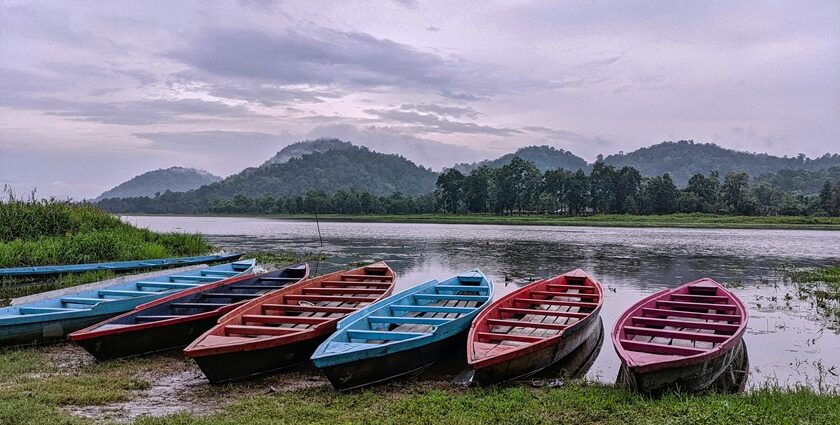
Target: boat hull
242 365
535 361
47 332
149 340
693 378
402 364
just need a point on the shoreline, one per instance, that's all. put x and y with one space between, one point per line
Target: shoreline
678 221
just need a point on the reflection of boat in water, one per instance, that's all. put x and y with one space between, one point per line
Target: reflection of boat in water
577 363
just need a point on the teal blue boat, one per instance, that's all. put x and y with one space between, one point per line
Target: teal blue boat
404 333
117 266
51 319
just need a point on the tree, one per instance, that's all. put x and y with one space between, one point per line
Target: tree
449 188
578 194
602 187
826 196
660 195
628 182
556 184
477 189
736 193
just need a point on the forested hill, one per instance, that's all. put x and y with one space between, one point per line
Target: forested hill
175 179
545 157
338 169
801 181
298 149
685 158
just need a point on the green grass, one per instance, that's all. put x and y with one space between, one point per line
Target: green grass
694 220
822 287
283 258
36 388
42 232
573 404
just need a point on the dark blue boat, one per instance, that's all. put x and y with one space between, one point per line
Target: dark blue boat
53 318
117 266
404 333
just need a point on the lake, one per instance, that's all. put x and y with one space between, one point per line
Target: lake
788 343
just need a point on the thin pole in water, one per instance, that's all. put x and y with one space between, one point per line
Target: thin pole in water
320 239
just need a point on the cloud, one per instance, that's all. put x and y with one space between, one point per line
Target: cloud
145 112
318 56
463 96
433 123
450 111
568 135
432 28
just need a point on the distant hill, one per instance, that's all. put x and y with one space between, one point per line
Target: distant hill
175 179
347 168
685 158
802 181
297 150
545 157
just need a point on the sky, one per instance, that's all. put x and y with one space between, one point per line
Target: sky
93 93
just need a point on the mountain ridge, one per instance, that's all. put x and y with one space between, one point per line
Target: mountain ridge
173 179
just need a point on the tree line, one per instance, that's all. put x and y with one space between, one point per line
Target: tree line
519 187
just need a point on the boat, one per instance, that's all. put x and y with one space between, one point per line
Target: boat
176 320
117 266
575 365
52 318
404 333
283 328
680 339
533 327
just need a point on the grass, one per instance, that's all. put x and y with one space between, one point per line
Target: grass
35 387
42 232
822 287
694 220
283 258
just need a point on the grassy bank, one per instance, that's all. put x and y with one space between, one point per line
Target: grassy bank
43 232
58 384
603 220
822 287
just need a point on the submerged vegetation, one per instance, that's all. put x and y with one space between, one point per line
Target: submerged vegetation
822 287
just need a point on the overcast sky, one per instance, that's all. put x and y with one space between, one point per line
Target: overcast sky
93 93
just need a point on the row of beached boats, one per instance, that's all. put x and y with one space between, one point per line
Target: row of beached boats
236 325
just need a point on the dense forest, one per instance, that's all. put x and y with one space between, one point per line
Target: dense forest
684 159
175 179
520 187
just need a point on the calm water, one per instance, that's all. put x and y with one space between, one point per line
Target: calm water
788 343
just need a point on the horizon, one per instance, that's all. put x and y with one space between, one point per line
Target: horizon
91 96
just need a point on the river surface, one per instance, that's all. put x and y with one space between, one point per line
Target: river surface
789 344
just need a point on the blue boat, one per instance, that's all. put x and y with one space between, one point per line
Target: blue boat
53 318
404 333
117 266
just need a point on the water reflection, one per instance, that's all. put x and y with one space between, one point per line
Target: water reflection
788 343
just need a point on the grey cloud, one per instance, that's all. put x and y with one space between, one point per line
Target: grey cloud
462 96
432 28
147 112
451 111
431 123
320 56
268 95
567 135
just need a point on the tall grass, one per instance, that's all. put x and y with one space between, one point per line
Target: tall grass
50 231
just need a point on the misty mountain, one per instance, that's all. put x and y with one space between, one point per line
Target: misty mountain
175 179
545 157
685 158
298 149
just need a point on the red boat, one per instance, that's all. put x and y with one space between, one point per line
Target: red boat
176 320
684 338
283 328
534 327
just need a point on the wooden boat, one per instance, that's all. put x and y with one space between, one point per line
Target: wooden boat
176 320
53 318
117 266
283 328
533 327
682 338
575 365
404 333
